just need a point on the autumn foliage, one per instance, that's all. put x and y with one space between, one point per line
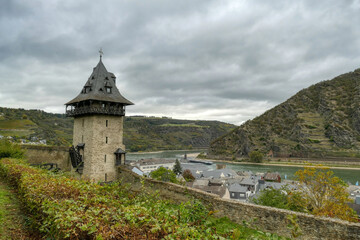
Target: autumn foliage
65 208
324 194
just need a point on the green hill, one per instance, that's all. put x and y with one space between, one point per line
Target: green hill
149 133
140 133
320 121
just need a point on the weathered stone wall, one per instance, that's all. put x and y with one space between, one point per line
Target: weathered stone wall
266 218
44 154
101 141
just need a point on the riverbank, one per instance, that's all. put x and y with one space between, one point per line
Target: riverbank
282 164
161 151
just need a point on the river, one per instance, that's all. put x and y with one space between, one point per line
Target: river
348 175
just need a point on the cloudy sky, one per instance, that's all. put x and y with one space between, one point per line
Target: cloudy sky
212 60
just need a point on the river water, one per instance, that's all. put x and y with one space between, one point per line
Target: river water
348 175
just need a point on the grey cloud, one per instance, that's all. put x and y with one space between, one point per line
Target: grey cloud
228 60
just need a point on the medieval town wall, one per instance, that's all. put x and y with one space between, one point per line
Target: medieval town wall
264 218
36 154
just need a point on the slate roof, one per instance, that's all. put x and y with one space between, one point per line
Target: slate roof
248 181
220 173
237 188
218 190
137 171
119 151
95 88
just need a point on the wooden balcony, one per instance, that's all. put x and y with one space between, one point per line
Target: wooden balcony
79 111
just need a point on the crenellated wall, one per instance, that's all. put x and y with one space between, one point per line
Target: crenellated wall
265 218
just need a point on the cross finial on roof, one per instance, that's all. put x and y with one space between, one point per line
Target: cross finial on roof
101 53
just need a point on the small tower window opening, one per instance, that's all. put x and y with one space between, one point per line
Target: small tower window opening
106 140
105 177
82 138
105 158
107 123
108 89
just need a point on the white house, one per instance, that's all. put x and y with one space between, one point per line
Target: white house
150 164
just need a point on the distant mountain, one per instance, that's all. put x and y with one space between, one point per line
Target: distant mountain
140 133
320 121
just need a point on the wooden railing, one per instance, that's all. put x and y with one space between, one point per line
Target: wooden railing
95 110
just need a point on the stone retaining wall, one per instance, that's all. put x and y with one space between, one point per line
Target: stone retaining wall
36 154
264 218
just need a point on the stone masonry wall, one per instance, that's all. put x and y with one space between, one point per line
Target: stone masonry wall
264 218
98 156
43 154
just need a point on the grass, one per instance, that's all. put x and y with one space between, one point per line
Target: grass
17 124
12 220
15 132
21 128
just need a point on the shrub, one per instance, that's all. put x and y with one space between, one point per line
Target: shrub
256 156
163 174
280 198
201 155
65 208
188 176
10 150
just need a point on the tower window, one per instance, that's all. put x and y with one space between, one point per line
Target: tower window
107 123
105 177
105 158
106 139
108 89
82 138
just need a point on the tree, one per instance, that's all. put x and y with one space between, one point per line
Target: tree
164 174
256 156
188 176
280 198
177 168
324 194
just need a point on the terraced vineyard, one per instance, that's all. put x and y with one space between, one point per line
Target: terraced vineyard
320 121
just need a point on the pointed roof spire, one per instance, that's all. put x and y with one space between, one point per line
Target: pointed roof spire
101 87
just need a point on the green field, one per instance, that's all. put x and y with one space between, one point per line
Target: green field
17 124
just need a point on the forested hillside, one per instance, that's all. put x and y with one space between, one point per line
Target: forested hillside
140 133
322 120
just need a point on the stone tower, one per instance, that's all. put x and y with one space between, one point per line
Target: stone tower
98 113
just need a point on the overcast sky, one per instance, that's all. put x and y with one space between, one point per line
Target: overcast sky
211 60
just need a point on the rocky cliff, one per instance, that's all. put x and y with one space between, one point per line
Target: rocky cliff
320 121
